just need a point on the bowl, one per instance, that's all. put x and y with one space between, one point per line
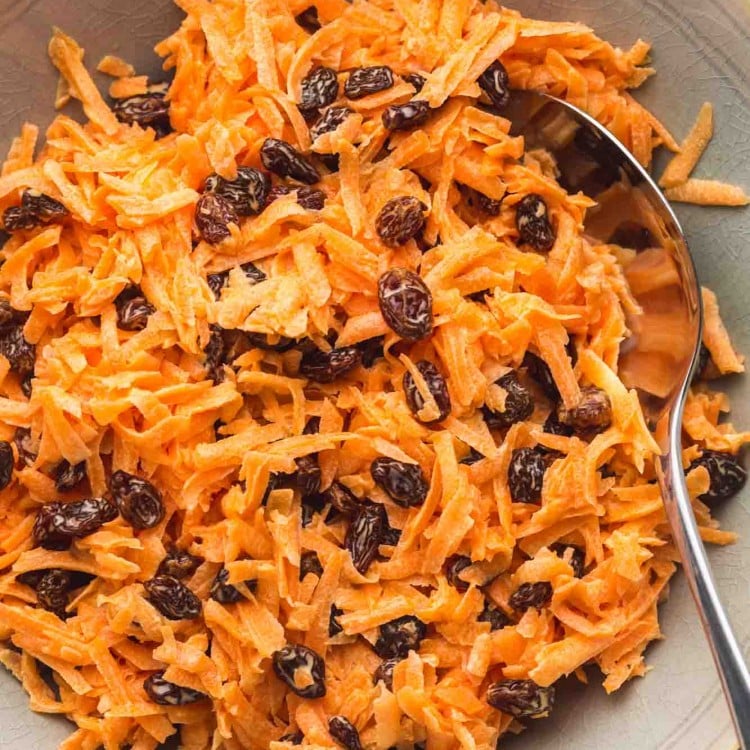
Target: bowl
701 54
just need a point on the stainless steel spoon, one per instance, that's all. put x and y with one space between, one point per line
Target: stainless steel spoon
632 213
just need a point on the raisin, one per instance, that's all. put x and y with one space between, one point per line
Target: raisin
391 537
133 309
528 595
52 591
326 367
436 385
332 162
526 475
406 116
311 505
165 693
519 403
178 563
400 220
284 160
17 350
539 371
43 207
415 79
217 281
6 463
214 353
704 357
344 733
17 218
577 557
293 662
522 699
494 83
480 201
26 445
309 198
312 426
365 81
592 413
68 476
533 224
306 478
553 425
147 110
473 457
397 637
453 567
494 616
224 592
365 534
320 87
57 524
31 577
213 215
342 499
9 316
726 473
334 628
247 192
263 341
293 738
405 304
384 672
310 563
172 598
138 501
372 350
403 483
329 121
309 21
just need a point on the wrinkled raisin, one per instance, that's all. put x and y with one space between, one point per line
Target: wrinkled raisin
293 738
17 350
372 350
526 475
365 534
57 524
165 693
334 627
344 733
592 413
133 309
397 637
309 21
391 537
6 463
43 207
284 160
553 426
518 406
320 87
309 562
577 556
178 563
494 83
214 353
306 478
213 215
453 567
400 219
726 473
528 595
172 598
326 367
539 371
342 499
68 476
224 592
26 445
247 192
329 121
364 81
405 304
9 316
147 110
384 672
406 116
403 483
533 223
436 385
16 218
480 201
294 662
138 501
416 80
217 281
309 198
52 591
494 616
522 699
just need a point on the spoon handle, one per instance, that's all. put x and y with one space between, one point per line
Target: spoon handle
727 654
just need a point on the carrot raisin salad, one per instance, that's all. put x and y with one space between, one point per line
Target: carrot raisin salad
311 429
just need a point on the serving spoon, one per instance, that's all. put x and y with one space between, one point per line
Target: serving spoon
665 333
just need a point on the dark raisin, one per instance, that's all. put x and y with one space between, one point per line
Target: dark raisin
284 160
344 733
726 473
406 116
178 563
704 357
391 537
311 199
214 353
494 616
312 426
17 350
384 672
400 220
57 524
311 505
329 121
165 693
276 192
293 738
172 598
518 406
416 80
224 592
365 535
405 303
372 350
320 87
306 479
52 591
577 556
17 218
334 628
26 446
68 476
592 413
553 425
294 662
436 385
342 499
213 215
275 344
526 475
133 309
397 637
247 192
217 281
453 567
332 162
473 457
326 367
364 81
9 316
138 501
533 224
528 595
539 371
522 699
43 207
310 563
480 201
147 110
309 21
494 83
6 463
31 577
403 483
632 235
